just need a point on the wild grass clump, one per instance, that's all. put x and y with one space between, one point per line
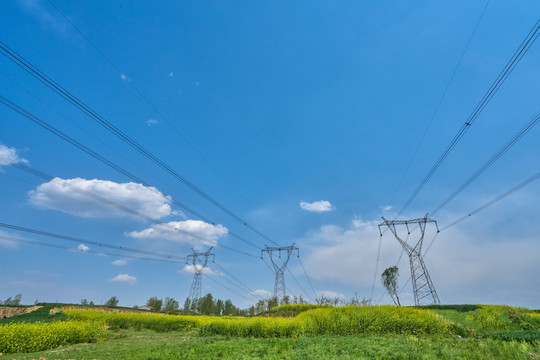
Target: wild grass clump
138 321
31 337
349 320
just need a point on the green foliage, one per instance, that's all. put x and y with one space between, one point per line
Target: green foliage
112 302
528 336
24 337
348 320
138 321
155 303
460 308
145 345
43 314
170 305
389 279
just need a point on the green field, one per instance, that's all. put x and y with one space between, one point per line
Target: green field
296 332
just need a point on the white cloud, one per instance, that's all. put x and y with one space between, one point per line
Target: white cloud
171 74
62 195
83 248
330 294
317 206
151 122
124 278
36 9
124 77
262 293
190 269
5 242
386 208
9 156
179 231
119 262
480 262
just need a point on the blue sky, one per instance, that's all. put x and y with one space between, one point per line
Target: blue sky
299 118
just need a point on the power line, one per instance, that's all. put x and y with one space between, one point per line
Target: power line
307 277
228 288
150 103
238 281
299 285
31 242
78 103
503 75
435 112
109 163
500 152
495 200
95 243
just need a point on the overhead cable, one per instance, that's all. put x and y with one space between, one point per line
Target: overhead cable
78 103
500 152
495 86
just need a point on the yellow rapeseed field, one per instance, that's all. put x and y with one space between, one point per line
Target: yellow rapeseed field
25 337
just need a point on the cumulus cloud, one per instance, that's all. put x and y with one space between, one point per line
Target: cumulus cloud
190 269
171 74
71 196
119 262
468 264
386 208
9 156
317 206
151 122
262 293
83 248
124 278
195 232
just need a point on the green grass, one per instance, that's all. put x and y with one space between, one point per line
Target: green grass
363 332
39 315
149 345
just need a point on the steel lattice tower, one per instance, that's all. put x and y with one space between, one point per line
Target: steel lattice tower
422 285
279 268
199 261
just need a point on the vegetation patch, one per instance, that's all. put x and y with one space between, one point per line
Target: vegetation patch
31 337
459 308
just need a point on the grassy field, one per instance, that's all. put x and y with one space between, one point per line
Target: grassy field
475 332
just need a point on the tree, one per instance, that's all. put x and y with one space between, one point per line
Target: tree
389 279
16 301
207 304
229 308
154 303
170 305
219 307
187 304
113 301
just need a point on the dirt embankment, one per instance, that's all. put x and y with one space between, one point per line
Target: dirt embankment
8 311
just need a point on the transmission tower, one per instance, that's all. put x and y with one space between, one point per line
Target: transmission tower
199 261
280 266
423 288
